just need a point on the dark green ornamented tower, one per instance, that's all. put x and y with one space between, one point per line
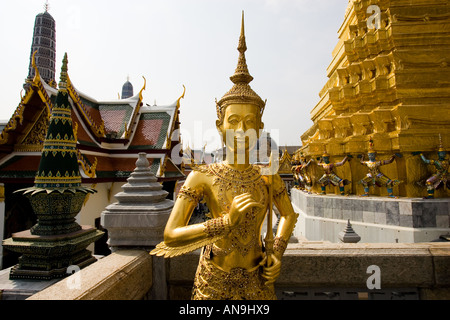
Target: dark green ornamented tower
57 241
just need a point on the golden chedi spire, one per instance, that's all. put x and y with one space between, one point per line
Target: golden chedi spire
241 92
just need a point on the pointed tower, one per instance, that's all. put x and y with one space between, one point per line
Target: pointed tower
58 168
127 89
241 92
44 44
56 241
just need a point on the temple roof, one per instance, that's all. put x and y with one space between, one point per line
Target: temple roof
110 134
285 163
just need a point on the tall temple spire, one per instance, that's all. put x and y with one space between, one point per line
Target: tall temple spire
44 44
241 73
241 92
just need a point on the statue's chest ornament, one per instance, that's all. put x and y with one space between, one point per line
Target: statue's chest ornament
231 183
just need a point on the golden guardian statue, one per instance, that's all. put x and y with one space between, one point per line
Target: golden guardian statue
441 178
301 176
375 177
234 263
329 177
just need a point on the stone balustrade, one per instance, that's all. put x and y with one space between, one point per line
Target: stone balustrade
311 270
123 275
376 219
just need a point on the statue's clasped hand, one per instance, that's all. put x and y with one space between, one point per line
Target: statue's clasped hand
271 268
242 204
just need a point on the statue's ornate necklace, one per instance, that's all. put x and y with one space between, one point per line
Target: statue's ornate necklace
237 181
231 183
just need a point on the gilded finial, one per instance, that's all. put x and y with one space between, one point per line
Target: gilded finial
46 6
241 92
182 96
241 73
143 88
37 76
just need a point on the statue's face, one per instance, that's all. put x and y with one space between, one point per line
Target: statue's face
240 127
326 159
372 156
442 154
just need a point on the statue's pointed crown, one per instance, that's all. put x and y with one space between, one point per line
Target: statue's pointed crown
241 92
371 146
441 145
325 153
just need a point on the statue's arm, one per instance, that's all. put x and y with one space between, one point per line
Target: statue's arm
390 160
425 159
177 231
181 238
362 159
288 217
338 164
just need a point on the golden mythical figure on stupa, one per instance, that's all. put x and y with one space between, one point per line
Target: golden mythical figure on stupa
329 176
441 178
375 177
299 170
234 263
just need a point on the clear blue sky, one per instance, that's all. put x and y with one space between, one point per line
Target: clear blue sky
183 42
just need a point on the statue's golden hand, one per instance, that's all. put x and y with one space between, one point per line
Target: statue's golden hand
241 204
271 269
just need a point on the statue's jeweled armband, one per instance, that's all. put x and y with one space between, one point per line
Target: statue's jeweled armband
215 229
279 245
189 194
217 226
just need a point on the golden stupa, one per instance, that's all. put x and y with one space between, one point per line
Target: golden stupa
389 80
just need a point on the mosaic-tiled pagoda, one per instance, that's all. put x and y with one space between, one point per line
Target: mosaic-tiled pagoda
44 45
56 241
388 81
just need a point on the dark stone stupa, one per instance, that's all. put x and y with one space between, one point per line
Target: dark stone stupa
56 241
